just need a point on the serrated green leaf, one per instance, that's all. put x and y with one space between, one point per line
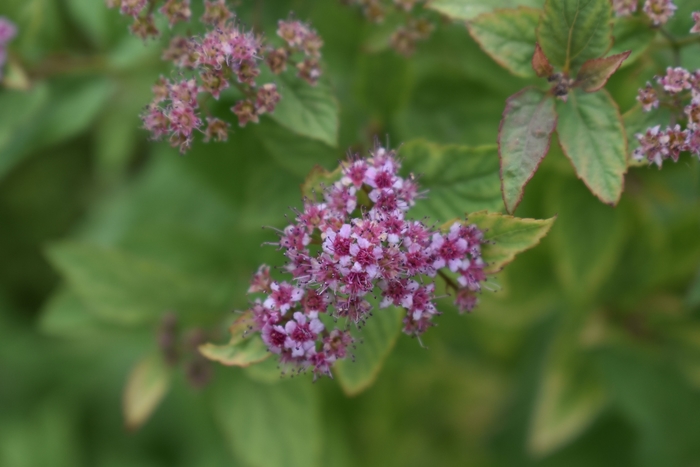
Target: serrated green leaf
592 136
373 344
523 140
594 73
310 111
509 37
573 31
147 385
632 33
460 179
122 288
507 236
571 395
470 9
269 425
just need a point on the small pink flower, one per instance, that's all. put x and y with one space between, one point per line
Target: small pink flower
261 281
624 7
652 146
659 11
696 27
676 80
245 111
465 300
267 98
8 31
283 296
176 11
648 98
132 7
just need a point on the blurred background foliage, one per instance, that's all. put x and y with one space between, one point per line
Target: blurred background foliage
587 354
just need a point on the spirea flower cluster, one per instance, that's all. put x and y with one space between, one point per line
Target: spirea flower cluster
678 89
409 33
8 31
658 11
225 55
354 245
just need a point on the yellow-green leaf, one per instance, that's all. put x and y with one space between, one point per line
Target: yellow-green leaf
147 385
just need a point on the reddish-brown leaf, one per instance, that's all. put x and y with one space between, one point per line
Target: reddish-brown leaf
595 73
540 63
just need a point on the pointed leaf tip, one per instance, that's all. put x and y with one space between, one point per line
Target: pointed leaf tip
540 63
595 73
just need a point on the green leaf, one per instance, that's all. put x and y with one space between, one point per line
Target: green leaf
508 36
310 111
65 315
595 73
540 63
632 33
296 153
592 136
269 425
460 179
126 289
529 120
570 397
587 240
374 342
148 383
571 32
18 110
242 350
470 9
507 236
248 352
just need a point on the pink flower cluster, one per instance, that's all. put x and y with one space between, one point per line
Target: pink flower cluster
677 86
225 55
406 36
357 243
658 11
8 31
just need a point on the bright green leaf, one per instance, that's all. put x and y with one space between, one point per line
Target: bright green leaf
507 236
374 342
65 315
269 425
592 136
632 33
126 289
508 36
523 140
573 31
147 385
470 9
310 111
460 179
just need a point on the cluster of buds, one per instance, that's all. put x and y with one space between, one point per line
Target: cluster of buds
355 243
678 89
658 11
141 11
225 55
7 32
406 36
